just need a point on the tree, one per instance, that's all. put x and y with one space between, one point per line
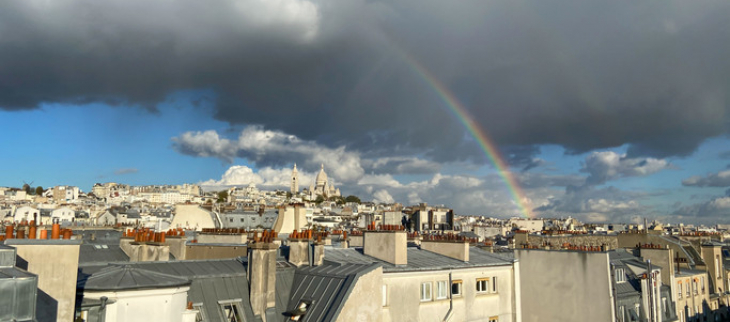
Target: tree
352 198
319 199
38 190
288 195
223 196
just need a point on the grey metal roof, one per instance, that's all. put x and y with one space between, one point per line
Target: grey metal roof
327 287
42 242
208 291
211 281
13 272
197 268
90 254
127 277
418 259
7 256
284 282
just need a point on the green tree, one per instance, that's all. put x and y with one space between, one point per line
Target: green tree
352 198
223 196
38 190
319 199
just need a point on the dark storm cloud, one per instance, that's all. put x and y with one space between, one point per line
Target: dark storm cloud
584 75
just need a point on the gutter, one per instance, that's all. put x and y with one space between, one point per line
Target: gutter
451 301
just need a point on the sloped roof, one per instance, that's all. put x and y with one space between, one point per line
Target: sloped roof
327 287
128 277
90 254
418 259
211 281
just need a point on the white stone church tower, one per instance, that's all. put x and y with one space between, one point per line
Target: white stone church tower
295 181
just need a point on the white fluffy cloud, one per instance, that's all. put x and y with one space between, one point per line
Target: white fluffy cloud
383 196
608 165
272 148
241 175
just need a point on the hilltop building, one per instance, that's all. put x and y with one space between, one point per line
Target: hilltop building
322 186
294 181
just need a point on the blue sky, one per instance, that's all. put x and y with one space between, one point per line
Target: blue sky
81 145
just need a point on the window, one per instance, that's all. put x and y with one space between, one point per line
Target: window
482 285
679 287
717 267
686 288
702 284
456 288
300 310
620 275
231 311
441 292
621 313
426 291
200 316
385 295
694 286
494 284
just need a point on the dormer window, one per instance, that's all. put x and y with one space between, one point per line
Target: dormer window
620 275
301 309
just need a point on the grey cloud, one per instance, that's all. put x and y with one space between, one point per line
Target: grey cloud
584 75
718 208
523 157
126 171
608 165
720 179
609 203
401 165
540 180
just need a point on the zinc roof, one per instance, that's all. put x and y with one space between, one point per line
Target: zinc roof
418 259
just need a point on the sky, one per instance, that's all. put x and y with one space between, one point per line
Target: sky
605 111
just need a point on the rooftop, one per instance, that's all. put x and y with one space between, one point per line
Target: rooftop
418 259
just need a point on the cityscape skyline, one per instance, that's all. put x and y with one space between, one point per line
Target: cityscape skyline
589 122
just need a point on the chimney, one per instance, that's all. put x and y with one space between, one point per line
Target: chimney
388 245
302 251
458 249
298 250
262 274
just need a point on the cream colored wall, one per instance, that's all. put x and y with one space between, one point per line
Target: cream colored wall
365 300
694 300
56 267
290 219
565 286
192 216
162 305
404 296
389 246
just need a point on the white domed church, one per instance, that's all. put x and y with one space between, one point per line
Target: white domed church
321 187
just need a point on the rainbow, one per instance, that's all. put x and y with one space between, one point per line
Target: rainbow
487 145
